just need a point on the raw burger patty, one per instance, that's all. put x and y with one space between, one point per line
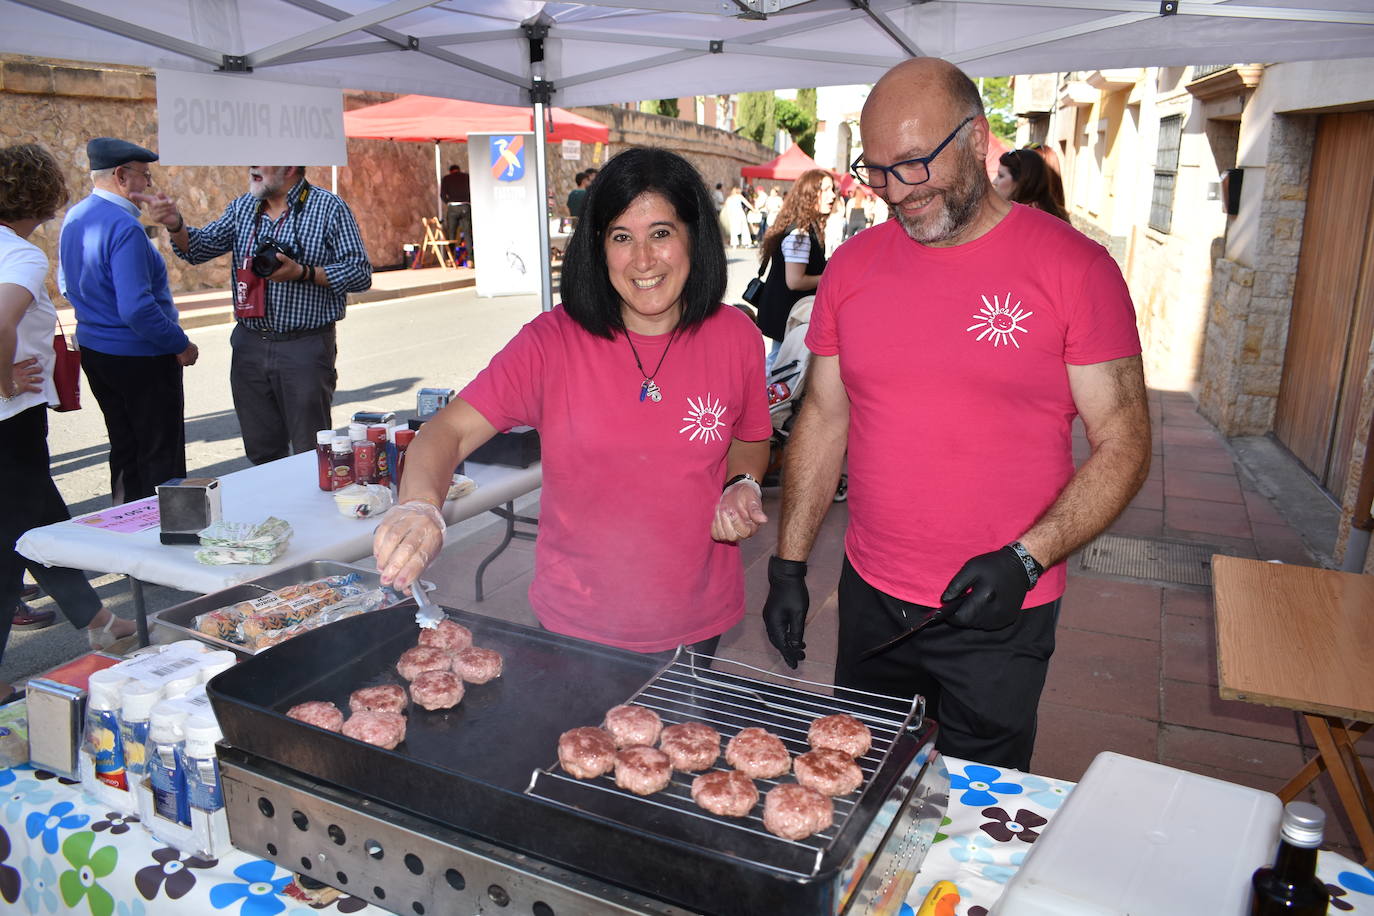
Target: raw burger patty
586 752
477 666
317 713
794 812
842 732
828 771
642 769
423 658
690 746
725 792
631 725
754 752
437 689
387 698
384 729
447 635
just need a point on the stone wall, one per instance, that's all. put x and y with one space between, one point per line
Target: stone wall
389 185
1247 328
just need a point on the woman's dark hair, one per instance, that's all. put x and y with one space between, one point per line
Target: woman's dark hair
31 183
799 211
1033 181
588 296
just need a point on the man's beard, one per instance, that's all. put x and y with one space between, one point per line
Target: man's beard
957 205
268 186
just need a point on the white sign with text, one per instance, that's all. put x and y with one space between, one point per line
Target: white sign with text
222 119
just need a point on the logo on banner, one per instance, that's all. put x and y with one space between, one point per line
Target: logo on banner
507 158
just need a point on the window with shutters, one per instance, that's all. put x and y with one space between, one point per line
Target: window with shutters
1166 173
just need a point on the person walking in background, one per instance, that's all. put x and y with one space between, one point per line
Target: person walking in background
794 252
297 253
758 218
456 191
834 225
953 348
1024 178
772 206
577 195
31 192
718 195
132 348
737 219
857 214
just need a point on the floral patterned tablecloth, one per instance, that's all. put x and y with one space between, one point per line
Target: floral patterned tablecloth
62 852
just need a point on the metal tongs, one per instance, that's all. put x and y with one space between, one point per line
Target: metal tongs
427 613
940 613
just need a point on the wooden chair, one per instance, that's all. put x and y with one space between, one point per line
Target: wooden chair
448 252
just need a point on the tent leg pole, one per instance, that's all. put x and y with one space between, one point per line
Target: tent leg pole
438 181
541 180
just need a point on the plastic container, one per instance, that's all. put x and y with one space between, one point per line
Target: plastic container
215 662
365 462
377 434
135 711
403 439
341 460
200 765
165 776
324 446
1140 838
103 741
178 686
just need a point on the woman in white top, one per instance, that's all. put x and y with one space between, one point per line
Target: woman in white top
736 214
31 192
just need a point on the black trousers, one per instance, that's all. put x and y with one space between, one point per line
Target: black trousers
282 389
32 500
981 686
144 407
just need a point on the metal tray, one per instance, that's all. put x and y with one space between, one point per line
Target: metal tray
181 617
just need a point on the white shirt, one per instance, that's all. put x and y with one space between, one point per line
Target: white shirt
24 264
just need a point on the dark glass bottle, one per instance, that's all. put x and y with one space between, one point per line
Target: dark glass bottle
1290 887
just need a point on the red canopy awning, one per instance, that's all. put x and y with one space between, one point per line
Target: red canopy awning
787 167
425 118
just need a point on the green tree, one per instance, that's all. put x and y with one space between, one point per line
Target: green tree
665 107
806 101
996 92
798 123
756 116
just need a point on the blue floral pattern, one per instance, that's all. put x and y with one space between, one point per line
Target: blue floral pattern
26 793
1357 882
40 885
972 849
258 890
1044 792
59 817
980 785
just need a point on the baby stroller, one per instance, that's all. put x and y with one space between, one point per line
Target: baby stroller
786 381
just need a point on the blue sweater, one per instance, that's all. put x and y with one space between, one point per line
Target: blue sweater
117 282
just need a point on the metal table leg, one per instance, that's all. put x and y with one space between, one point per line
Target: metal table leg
140 610
506 512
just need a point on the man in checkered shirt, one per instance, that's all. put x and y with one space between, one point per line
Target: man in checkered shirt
282 375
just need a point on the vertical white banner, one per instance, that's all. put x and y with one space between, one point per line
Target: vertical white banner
505 213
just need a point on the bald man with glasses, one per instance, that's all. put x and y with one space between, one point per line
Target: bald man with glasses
953 347
133 349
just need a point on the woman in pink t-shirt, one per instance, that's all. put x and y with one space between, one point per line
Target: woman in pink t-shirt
649 398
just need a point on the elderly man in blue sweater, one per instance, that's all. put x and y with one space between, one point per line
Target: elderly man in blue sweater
132 348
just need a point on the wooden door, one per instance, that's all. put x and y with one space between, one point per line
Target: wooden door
1333 312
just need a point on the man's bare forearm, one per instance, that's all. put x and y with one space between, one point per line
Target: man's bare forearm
811 469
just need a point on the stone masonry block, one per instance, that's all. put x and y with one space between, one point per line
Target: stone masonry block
1261 381
21 76
78 81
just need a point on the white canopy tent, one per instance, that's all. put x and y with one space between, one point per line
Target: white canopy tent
517 52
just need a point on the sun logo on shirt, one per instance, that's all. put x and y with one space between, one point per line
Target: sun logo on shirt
704 419
999 321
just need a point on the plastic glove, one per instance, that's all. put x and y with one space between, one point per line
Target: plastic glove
784 613
992 586
410 536
739 514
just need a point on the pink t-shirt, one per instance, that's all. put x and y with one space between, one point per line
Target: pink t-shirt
960 409
624 555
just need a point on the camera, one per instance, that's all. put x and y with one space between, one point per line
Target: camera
265 258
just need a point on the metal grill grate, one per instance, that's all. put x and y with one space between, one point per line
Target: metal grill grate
1184 562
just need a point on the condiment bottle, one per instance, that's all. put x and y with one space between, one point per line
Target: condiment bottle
200 765
138 700
1290 887
103 741
377 434
342 462
165 775
403 439
324 443
365 462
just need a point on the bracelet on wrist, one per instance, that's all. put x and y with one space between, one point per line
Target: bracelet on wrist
739 477
181 224
1032 566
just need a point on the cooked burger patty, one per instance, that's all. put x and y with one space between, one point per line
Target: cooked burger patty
725 792
384 729
755 752
691 746
319 714
477 666
842 732
631 725
447 635
794 812
423 658
586 752
828 771
387 698
437 689
642 770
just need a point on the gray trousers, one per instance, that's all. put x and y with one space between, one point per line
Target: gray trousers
283 386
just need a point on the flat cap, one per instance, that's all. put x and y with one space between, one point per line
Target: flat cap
108 152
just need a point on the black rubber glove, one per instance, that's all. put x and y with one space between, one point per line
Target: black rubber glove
992 586
784 613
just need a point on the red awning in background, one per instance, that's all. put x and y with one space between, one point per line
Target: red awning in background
425 118
787 167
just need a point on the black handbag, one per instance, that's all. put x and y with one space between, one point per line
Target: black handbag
753 293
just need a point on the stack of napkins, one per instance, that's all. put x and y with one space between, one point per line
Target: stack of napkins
243 542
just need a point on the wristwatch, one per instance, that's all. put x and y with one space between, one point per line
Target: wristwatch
737 478
1033 567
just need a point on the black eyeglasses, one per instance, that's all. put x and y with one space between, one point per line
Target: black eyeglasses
909 171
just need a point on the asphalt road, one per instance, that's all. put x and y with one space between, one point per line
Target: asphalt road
387 351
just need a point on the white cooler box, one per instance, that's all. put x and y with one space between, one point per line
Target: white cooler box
1142 839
